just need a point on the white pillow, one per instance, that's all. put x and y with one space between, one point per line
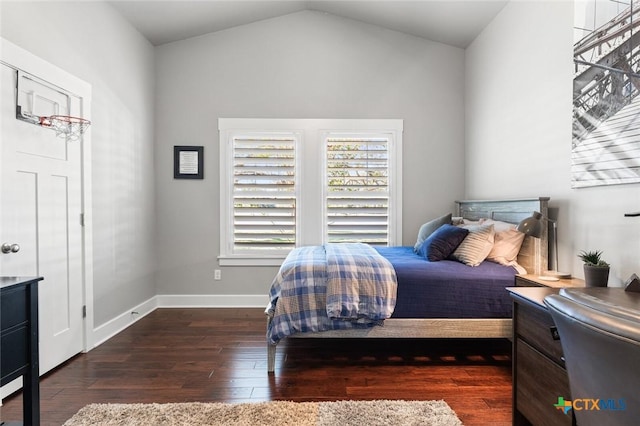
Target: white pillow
476 246
498 226
506 246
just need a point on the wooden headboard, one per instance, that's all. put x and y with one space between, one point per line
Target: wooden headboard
534 254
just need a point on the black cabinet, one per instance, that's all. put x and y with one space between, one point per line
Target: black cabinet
19 340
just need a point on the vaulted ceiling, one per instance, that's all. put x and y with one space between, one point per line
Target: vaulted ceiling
453 22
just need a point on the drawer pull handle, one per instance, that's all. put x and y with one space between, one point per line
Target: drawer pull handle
554 333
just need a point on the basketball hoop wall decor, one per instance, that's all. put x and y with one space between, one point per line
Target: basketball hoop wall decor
49 106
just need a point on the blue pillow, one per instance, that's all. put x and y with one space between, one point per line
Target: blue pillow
443 242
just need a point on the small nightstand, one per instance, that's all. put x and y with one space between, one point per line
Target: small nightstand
539 374
531 280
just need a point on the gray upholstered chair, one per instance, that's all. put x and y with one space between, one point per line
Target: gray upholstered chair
600 334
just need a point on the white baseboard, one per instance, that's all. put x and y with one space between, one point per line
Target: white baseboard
109 329
212 301
10 388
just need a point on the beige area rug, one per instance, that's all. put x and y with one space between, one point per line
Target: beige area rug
279 413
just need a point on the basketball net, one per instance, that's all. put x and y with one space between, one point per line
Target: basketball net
66 126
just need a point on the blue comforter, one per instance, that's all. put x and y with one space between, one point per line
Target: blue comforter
449 289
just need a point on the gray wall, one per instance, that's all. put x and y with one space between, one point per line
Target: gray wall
93 42
303 65
519 73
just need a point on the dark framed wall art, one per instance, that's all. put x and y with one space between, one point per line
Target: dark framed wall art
188 162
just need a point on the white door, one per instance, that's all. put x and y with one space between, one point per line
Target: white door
40 210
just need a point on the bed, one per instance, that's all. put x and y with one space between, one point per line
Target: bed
454 309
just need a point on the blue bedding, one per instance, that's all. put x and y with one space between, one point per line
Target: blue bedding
448 289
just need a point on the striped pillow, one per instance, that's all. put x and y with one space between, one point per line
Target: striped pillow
476 246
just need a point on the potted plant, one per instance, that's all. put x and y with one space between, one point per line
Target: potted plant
596 270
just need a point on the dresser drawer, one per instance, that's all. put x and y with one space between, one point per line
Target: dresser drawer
533 325
15 353
539 384
13 307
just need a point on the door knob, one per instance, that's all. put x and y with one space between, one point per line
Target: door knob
10 248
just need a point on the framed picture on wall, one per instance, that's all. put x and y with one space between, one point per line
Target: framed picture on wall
188 162
606 84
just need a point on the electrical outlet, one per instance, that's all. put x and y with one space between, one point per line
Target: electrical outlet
217 274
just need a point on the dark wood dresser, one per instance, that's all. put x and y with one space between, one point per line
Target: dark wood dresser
539 374
19 340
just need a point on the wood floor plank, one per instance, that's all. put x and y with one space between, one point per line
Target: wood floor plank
219 355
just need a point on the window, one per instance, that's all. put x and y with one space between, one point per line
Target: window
264 192
259 191
357 189
289 183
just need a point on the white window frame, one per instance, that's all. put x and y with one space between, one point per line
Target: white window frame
310 189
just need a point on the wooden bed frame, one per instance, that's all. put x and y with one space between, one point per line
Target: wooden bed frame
533 257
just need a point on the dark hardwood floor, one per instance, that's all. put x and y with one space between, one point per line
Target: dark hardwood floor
219 355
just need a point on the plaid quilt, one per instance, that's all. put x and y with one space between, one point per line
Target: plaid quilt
330 287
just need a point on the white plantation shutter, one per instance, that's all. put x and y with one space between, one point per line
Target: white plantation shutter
264 197
286 183
357 189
